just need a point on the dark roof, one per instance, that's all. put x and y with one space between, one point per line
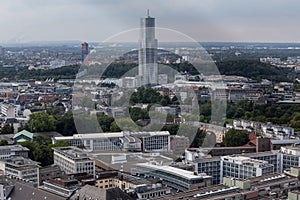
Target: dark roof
48 134
22 191
92 192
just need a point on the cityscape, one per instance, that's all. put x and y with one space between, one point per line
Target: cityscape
151 112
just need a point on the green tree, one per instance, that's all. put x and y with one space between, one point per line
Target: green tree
41 149
175 100
7 129
41 122
295 121
3 142
165 101
138 113
172 128
235 138
65 124
105 122
145 95
199 138
114 127
43 154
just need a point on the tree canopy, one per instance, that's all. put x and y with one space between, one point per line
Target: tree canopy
41 149
235 138
41 122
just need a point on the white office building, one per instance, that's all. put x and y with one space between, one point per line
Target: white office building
21 168
120 141
244 167
73 160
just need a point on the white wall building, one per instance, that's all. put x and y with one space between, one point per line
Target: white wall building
21 168
13 150
73 160
244 167
117 141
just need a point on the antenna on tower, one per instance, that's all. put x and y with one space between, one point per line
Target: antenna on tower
148 13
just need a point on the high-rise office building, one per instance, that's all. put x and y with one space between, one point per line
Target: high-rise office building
148 71
84 51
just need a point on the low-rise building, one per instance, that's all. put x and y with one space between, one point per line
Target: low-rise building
73 160
210 166
151 191
290 156
244 167
166 110
62 186
173 177
271 186
13 150
124 181
121 141
21 168
23 136
48 172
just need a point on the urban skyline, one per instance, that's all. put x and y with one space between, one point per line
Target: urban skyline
137 120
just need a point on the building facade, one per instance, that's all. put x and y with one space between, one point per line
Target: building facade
21 168
148 71
121 141
244 167
13 150
73 160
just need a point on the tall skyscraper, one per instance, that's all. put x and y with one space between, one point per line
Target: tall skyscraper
148 71
84 51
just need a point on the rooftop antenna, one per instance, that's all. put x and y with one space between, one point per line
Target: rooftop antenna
148 13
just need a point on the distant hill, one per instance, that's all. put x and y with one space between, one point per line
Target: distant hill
255 70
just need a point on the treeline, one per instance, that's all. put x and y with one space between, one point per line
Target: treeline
45 122
150 96
255 70
275 113
248 68
14 74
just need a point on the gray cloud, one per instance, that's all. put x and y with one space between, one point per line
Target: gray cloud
204 20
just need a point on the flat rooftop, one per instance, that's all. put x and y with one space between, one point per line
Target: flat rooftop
240 159
20 162
14 148
71 152
173 170
289 141
127 160
111 135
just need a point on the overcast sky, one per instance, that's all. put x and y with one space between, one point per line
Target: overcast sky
203 20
